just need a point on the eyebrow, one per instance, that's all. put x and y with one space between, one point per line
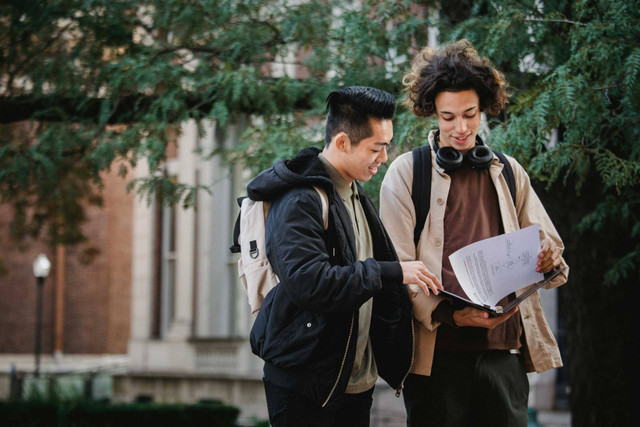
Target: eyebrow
384 143
465 111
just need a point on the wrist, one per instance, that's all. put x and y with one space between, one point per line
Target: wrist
454 315
391 272
444 313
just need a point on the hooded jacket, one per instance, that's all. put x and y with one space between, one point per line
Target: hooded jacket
307 327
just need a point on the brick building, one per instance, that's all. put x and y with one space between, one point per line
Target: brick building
94 312
162 288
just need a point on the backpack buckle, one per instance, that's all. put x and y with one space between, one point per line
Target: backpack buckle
253 249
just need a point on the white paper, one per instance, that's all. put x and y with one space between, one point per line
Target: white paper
493 268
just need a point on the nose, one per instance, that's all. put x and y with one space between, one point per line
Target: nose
461 125
382 157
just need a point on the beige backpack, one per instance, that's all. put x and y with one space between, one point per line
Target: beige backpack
255 271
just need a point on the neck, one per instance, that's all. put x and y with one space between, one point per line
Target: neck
333 156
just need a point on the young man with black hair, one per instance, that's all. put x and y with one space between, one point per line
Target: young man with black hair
341 313
469 368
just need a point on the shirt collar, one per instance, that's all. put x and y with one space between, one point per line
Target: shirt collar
345 190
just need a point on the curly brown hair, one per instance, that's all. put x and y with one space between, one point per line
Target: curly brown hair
454 68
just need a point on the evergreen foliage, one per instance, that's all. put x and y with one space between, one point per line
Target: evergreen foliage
90 86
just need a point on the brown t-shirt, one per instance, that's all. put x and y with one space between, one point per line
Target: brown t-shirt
472 214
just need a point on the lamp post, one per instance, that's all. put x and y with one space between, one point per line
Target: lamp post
41 267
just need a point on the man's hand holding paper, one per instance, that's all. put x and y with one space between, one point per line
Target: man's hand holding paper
493 268
549 256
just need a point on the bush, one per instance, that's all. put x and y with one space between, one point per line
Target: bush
96 414
28 414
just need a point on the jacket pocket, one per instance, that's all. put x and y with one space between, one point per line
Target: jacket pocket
258 333
286 339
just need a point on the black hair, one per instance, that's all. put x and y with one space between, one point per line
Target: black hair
349 110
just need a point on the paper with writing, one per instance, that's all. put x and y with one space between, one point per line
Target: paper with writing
493 268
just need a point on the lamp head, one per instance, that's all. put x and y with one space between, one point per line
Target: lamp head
41 266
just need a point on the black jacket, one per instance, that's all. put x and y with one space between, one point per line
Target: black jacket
307 327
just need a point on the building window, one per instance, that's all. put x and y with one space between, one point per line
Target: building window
164 268
168 268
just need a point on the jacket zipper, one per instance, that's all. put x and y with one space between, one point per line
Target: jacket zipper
344 358
413 351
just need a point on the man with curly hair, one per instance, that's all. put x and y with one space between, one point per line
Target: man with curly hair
469 368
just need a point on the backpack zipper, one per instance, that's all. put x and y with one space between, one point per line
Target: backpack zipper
413 352
344 358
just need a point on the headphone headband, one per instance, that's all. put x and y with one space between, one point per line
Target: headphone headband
450 159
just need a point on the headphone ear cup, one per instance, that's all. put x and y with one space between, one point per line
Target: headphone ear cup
480 157
448 158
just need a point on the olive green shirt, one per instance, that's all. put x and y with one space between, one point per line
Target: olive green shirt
364 373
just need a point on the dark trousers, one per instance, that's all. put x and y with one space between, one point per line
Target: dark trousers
487 388
290 409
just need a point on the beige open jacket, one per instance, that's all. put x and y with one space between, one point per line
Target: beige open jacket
540 351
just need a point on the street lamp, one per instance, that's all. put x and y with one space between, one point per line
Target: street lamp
41 267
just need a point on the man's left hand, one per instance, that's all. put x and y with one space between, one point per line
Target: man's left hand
549 256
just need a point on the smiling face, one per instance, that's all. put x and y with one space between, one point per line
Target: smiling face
458 116
361 162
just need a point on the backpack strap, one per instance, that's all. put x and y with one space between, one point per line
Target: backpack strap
324 199
235 248
507 172
421 187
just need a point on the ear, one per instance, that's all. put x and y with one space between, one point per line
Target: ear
342 142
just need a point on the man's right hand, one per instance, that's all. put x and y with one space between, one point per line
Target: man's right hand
470 316
415 273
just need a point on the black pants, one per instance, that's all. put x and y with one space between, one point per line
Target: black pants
290 409
488 388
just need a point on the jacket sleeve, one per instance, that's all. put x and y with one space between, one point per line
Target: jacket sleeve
297 250
396 207
399 218
531 211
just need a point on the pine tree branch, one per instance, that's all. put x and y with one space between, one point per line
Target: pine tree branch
36 56
127 109
195 49
557 21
